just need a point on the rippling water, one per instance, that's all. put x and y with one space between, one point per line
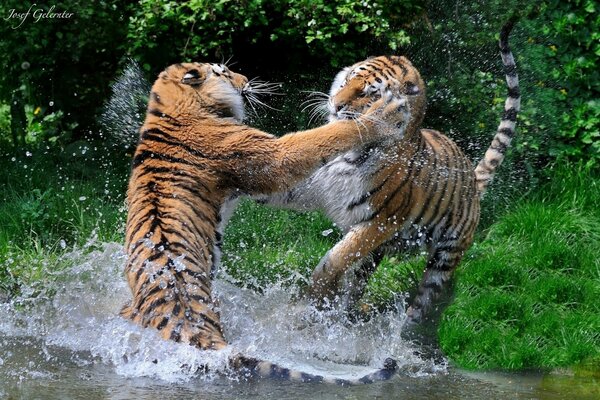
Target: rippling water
64 339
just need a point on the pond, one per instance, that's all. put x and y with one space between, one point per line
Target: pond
63 339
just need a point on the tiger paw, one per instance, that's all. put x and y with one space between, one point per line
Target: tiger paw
389 115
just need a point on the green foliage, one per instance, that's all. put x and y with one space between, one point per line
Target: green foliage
62 64
526 297
48 128
575 27
451 42
335 31
339 29
190 29
4 123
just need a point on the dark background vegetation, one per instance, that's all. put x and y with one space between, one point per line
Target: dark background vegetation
65 67
63 175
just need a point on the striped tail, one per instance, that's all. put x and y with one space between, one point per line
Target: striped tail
250 367
484 173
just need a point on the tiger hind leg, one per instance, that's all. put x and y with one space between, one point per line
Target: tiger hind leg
444 256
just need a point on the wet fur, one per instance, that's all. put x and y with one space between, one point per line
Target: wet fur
415 190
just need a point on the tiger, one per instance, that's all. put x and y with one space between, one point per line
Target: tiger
193 159
411 191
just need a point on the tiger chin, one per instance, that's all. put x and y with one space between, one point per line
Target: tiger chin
413 190
194 158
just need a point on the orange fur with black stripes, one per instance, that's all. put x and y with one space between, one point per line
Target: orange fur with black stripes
416 190
193 158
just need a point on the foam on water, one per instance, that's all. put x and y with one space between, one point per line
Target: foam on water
77 310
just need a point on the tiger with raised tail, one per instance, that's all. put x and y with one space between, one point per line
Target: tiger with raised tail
416 189
193 159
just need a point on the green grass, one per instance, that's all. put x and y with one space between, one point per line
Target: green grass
48 205
264 245
527 296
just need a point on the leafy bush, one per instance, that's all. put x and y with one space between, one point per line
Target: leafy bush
63 64
575 26
4 123
337 31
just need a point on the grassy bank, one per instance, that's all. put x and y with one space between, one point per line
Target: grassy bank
525 295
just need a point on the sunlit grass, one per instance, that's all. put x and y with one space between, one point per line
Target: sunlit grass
527 296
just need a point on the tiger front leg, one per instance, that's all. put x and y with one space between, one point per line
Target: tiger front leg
355 246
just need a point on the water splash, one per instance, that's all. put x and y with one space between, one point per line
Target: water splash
124 113
77 310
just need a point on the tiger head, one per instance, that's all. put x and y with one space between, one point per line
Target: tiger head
356 88
189 89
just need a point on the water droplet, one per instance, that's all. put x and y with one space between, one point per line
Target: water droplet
63 244
82 198
28 154
327 232
51 104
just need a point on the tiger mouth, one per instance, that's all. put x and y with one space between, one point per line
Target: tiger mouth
346 115
225 112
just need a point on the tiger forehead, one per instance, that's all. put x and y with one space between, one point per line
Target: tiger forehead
382 69
180 69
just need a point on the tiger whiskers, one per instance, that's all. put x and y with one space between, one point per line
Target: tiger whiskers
317 104
255 88
228 62
262 87
358 120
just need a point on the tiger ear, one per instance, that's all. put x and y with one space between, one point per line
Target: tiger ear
192 77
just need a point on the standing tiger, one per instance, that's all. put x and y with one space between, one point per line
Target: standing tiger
193 158
408 191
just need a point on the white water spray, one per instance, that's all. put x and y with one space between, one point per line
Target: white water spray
77 310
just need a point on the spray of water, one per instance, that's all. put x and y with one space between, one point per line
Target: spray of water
125 111
77 312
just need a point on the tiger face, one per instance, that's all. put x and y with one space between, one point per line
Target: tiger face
205 86
355 88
